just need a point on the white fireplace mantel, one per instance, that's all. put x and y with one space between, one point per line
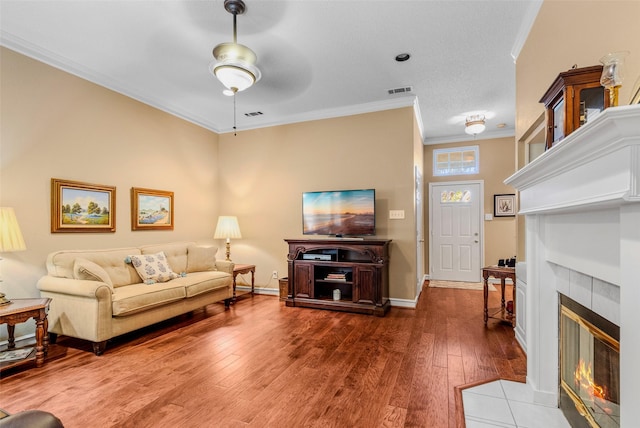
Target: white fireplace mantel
581 201
596 165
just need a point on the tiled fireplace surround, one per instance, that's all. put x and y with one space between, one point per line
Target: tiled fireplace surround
581 202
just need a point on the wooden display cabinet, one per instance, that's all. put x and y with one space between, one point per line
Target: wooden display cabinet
358 268
573 99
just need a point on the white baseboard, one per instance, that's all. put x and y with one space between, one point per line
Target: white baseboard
261 290
404 303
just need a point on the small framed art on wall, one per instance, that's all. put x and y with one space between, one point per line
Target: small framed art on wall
504 205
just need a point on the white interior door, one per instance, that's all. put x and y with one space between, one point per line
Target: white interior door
455 250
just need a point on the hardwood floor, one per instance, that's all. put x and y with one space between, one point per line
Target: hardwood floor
263 364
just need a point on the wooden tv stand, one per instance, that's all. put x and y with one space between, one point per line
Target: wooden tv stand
358 268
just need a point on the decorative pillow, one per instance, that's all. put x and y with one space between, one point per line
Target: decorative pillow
201 259
86 269
153 268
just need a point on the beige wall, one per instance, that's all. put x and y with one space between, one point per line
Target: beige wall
264 172
567 33
55 125
496 164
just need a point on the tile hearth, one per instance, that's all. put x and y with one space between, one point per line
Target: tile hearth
504 403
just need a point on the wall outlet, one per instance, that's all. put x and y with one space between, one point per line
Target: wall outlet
274 275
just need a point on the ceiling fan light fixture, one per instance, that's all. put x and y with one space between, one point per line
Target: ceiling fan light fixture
235 65
474 124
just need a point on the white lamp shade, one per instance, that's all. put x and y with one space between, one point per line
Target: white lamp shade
235 67
233 77
227 228
10 235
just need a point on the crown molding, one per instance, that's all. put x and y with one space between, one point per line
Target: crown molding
525 27
54 60
503 133
331 113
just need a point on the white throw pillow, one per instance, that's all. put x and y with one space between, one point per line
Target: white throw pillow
153 267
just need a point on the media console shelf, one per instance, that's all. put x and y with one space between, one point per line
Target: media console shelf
358 268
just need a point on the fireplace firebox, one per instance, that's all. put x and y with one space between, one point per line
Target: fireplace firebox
589 367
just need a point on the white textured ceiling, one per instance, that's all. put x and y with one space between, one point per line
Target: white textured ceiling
318 58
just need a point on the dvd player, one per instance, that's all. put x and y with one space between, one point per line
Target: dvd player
323 257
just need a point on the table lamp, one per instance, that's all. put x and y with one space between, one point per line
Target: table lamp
10 238
228 228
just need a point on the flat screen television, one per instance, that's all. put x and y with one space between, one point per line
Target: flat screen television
339 213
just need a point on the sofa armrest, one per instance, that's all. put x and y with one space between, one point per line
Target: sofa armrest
79 308
225 266
75 287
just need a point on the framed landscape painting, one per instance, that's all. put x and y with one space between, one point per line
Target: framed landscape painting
151 209
504 205
82 207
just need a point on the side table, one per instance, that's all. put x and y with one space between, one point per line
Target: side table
20 310
241 270
501 273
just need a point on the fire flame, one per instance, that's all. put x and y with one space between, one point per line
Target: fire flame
584 378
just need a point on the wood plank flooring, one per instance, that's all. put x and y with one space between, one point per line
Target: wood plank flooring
262 364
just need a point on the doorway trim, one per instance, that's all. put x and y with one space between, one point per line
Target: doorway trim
480 220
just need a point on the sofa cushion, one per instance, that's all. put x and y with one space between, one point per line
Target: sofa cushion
176 254
201 259
139 297
86 269
153 267
61 264
201 282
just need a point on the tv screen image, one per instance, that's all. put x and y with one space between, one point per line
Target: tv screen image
340 213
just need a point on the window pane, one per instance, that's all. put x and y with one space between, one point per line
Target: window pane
456 161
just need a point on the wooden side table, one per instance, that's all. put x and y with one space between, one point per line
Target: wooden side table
501 273
20 310
241 270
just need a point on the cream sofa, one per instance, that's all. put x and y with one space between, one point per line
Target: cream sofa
99 294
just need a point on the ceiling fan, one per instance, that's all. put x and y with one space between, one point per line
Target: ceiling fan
235 64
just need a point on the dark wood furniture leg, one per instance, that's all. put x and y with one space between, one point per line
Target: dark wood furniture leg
99 347
486 296
40 349
11 328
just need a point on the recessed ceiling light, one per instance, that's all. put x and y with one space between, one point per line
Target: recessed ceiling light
402 57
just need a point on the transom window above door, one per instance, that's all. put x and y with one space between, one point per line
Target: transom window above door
456 161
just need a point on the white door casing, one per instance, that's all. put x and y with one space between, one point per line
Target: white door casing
419 207
456 230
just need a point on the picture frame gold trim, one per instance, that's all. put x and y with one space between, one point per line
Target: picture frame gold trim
69 214
151 209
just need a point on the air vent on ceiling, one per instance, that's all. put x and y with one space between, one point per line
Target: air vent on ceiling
253 113
401 90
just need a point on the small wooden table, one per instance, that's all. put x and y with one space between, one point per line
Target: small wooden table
241 270
502 273
20 310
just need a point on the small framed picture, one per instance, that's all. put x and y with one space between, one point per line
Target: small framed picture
151 209
504 205
82 207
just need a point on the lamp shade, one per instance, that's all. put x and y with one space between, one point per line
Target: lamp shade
10 235
235 66
227 228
